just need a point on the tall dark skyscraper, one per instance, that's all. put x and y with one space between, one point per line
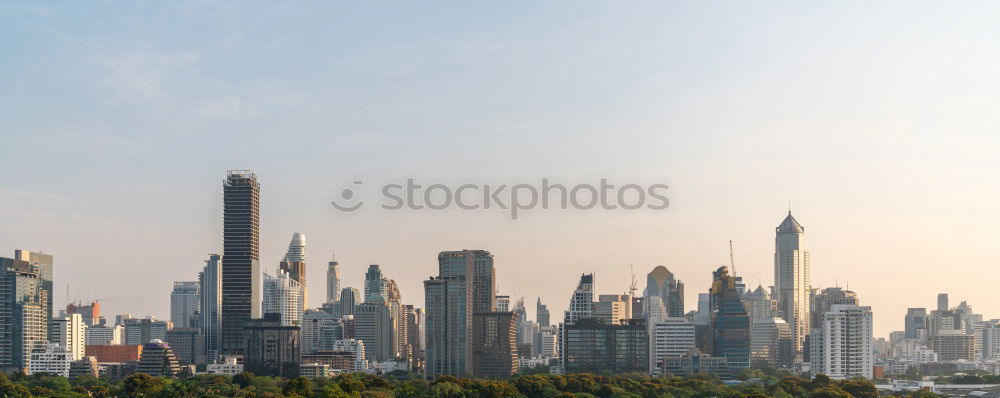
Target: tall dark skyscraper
730 324
916 319
241 283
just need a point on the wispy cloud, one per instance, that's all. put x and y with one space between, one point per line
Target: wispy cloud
139 75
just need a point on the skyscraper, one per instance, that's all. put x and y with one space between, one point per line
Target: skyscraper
541 313
942 302
283 296
373 324
669 337
494 346
463 286
68 330
333 282
791 278
241 257
185 300
823 301
210 280
349 298
842 347
663 296
91 313
44 265
24 321
730 324
270 348
294 264
374 283
581 305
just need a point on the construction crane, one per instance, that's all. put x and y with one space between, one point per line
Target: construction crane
632 287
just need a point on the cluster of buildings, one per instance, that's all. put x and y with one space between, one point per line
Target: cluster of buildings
238 317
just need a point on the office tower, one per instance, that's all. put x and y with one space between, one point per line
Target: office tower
241 257
43 264
591 346
295 264
842 347
663 296
349 298
759 304
581 305
942 302
991 340
373 324
826 299
333 282
91 313
916 319
158 359
613 308
53 359
791 278
319 331
967 317
730 325
185 301
142 331
374 283
68 330
464 286
415 333
954 345
494 353
771 342
271 349
669 337
24 312
541 313
283 296
547 341
503 303
105 335
210 281
188 344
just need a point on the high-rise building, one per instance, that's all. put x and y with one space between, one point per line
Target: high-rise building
68 330
294 264
464 286
141 331
826 299
942 302
374 283
663 296
284 296
954 345
185 301
320 330
916 319
494 344
541 313
759 304
349 298
188 344
592 346
241 283
771 341
270 348
730 324
669 337
210 281
105 335
24 312
373 324
581 305
158 359
91 313
613 308
842 347
415 334
43 264
791 278
503 303
333 282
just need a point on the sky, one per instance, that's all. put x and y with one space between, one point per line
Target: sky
876 123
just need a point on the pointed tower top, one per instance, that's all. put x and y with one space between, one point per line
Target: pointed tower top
790 224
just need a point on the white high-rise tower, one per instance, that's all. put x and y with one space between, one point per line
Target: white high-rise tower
333 282
791 278
296 248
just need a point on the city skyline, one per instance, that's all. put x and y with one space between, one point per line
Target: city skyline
876 121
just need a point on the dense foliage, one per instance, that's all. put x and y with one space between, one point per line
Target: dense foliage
406 386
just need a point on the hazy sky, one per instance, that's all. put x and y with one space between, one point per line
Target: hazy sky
878 121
